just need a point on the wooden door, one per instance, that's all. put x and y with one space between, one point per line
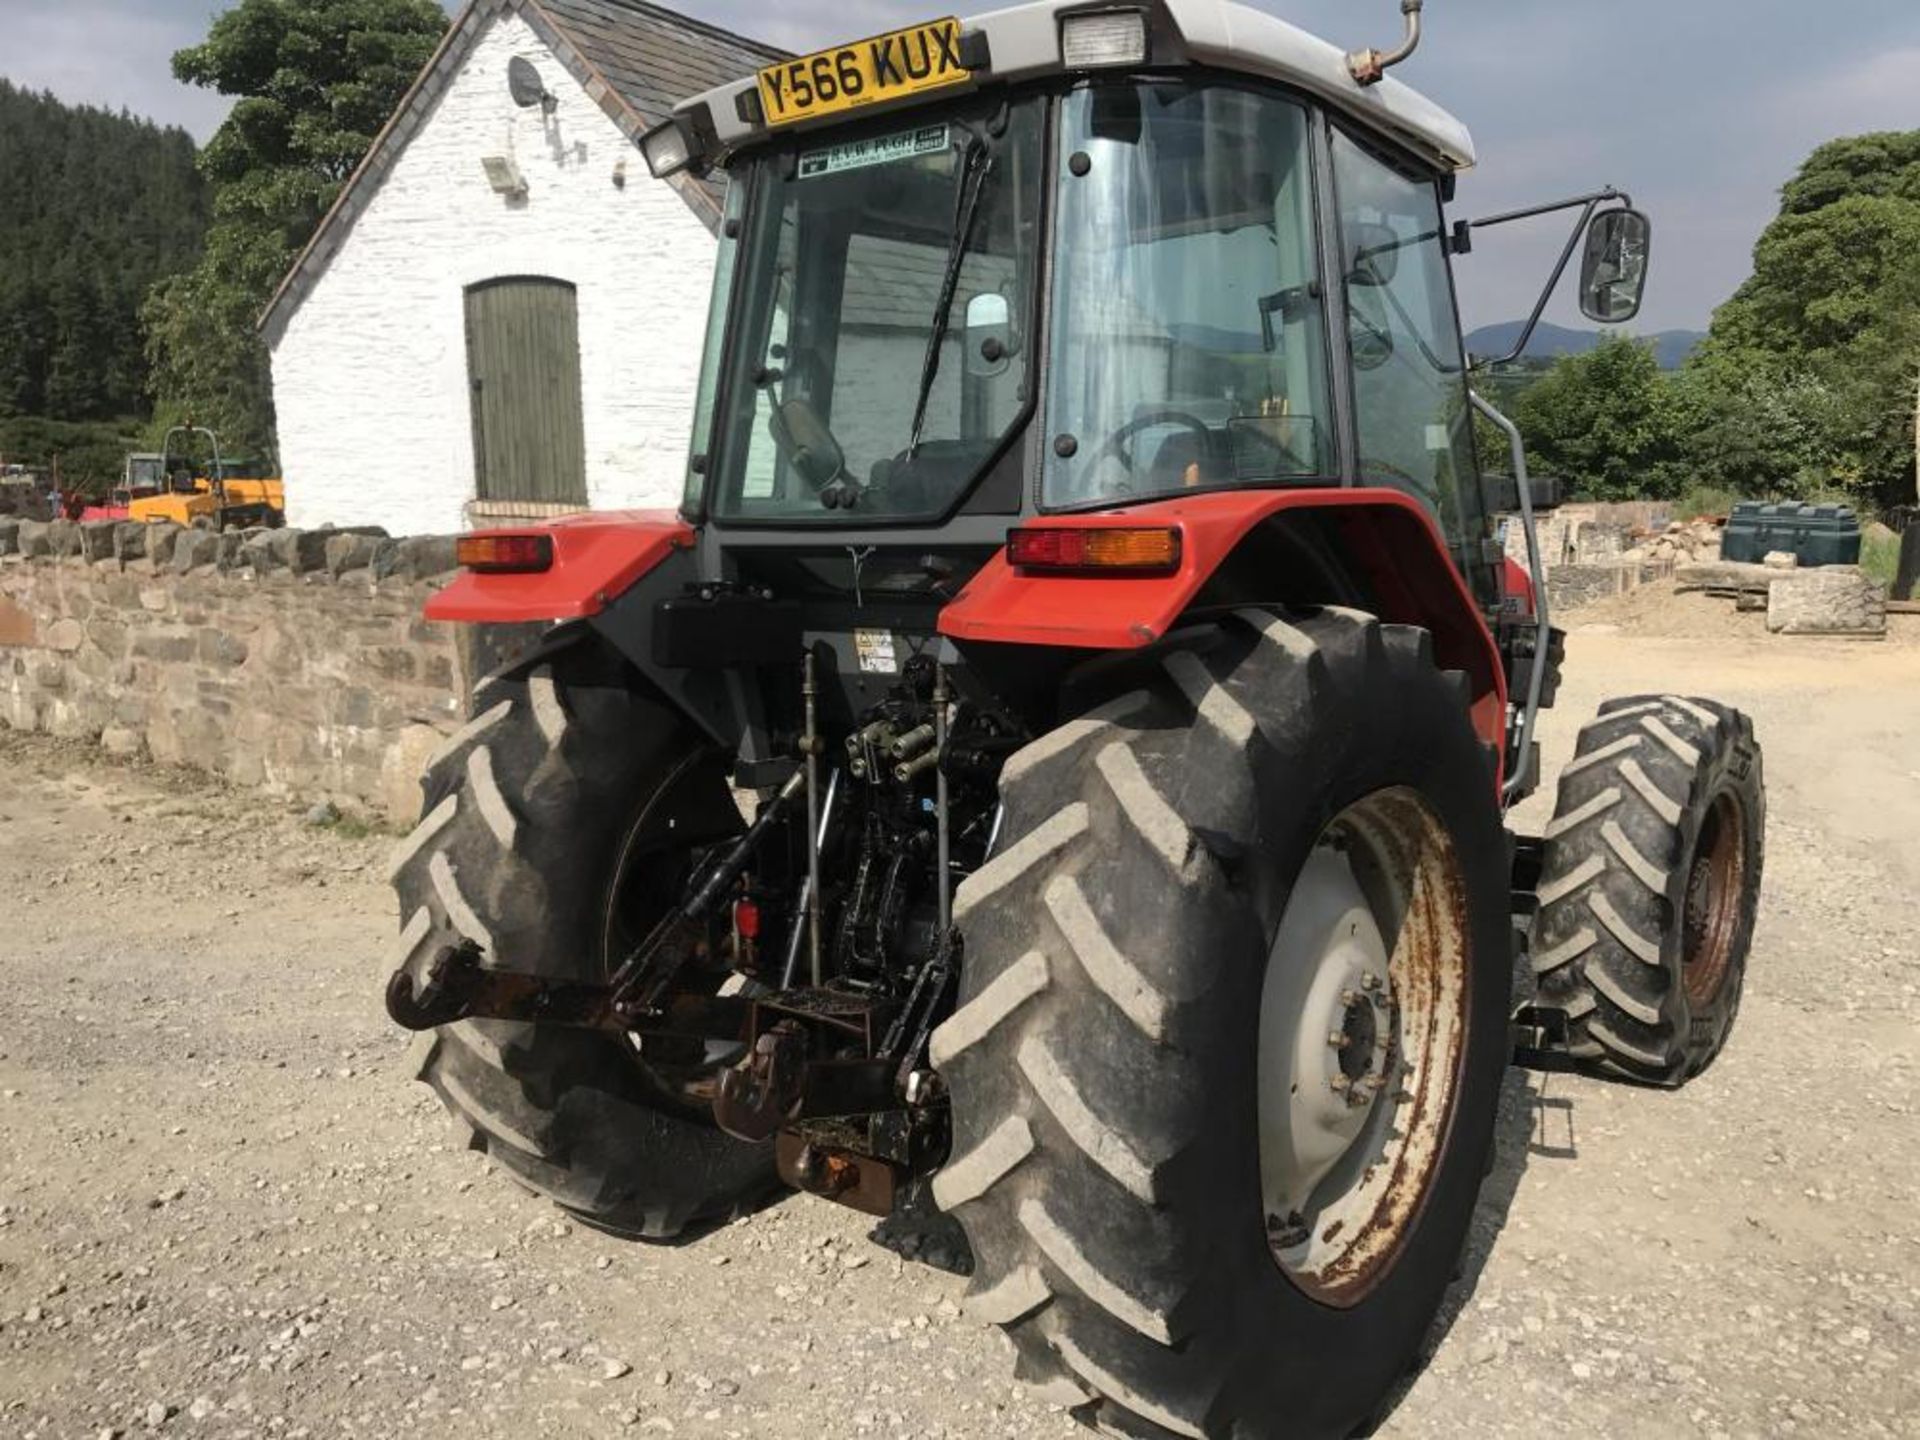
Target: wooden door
523 365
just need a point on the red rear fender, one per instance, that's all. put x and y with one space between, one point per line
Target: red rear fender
595 559
1388 538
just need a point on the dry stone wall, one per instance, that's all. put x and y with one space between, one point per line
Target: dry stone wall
292 660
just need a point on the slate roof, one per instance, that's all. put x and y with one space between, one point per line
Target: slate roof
634 59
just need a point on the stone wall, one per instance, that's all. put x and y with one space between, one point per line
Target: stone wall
292 660
1571 586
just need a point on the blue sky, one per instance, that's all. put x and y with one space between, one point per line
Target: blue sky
1701 108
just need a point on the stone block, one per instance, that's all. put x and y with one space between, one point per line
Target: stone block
109 636
1829 600
418 558
160 542
156 598
301 551
1781 560
257 553
34 539
97 539
402 767
227 556
194 548
221 649
347 551
390 662
169 647
64 635
130 540
63 537
9 535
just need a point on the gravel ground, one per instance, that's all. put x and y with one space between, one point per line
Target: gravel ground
225 1212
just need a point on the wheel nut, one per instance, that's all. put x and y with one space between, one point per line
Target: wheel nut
1349 998
1340 1084
1338 1039
1369 981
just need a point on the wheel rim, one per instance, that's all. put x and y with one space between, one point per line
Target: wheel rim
1715 879
650 872
1363 1025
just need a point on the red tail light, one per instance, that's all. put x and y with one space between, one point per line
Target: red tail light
499 554
1107 550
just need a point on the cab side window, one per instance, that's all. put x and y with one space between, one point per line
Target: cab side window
1409 375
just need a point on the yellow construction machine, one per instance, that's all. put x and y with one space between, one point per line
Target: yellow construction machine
214 491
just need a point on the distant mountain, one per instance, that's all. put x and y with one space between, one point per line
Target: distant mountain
1550 342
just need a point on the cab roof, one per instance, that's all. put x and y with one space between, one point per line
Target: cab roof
1024 42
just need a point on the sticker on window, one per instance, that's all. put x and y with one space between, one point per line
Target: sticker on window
875 649
883 150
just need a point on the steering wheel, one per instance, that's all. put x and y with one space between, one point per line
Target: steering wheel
1116 446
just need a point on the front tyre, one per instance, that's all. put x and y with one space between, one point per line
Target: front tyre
1231 1032
1649 886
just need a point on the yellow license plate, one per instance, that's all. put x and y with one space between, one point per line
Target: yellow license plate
850 77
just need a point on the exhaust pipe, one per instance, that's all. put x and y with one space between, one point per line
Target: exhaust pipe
1369 67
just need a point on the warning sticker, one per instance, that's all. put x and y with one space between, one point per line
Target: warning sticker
875 649
883 150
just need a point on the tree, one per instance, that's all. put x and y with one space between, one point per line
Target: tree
96 208
1807 381
1603 423
314 81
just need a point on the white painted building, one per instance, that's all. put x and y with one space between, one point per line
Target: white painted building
503 314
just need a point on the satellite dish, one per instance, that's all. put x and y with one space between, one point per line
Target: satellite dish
526 86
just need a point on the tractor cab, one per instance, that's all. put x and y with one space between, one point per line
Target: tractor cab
1060 260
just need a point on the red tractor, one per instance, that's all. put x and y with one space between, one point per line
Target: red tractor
1061 749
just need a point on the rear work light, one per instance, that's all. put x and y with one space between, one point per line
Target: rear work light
505 554
1111 37
1106 551
667 149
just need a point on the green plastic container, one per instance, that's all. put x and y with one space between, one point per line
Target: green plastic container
1813 534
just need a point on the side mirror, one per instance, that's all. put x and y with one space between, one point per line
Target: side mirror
1376 253
1613 273
989 340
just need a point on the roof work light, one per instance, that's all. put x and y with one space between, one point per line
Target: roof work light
1105 37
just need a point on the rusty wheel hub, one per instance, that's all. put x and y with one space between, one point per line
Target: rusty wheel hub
1715 878
1362 1022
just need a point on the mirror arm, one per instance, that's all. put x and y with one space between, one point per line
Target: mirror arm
1598 197
1592 204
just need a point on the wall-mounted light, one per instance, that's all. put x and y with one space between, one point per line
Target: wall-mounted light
503 174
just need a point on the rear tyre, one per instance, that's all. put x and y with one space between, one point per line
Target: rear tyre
545 843
1649 886
1125 1039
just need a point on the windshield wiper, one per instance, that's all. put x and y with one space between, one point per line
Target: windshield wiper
973 181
